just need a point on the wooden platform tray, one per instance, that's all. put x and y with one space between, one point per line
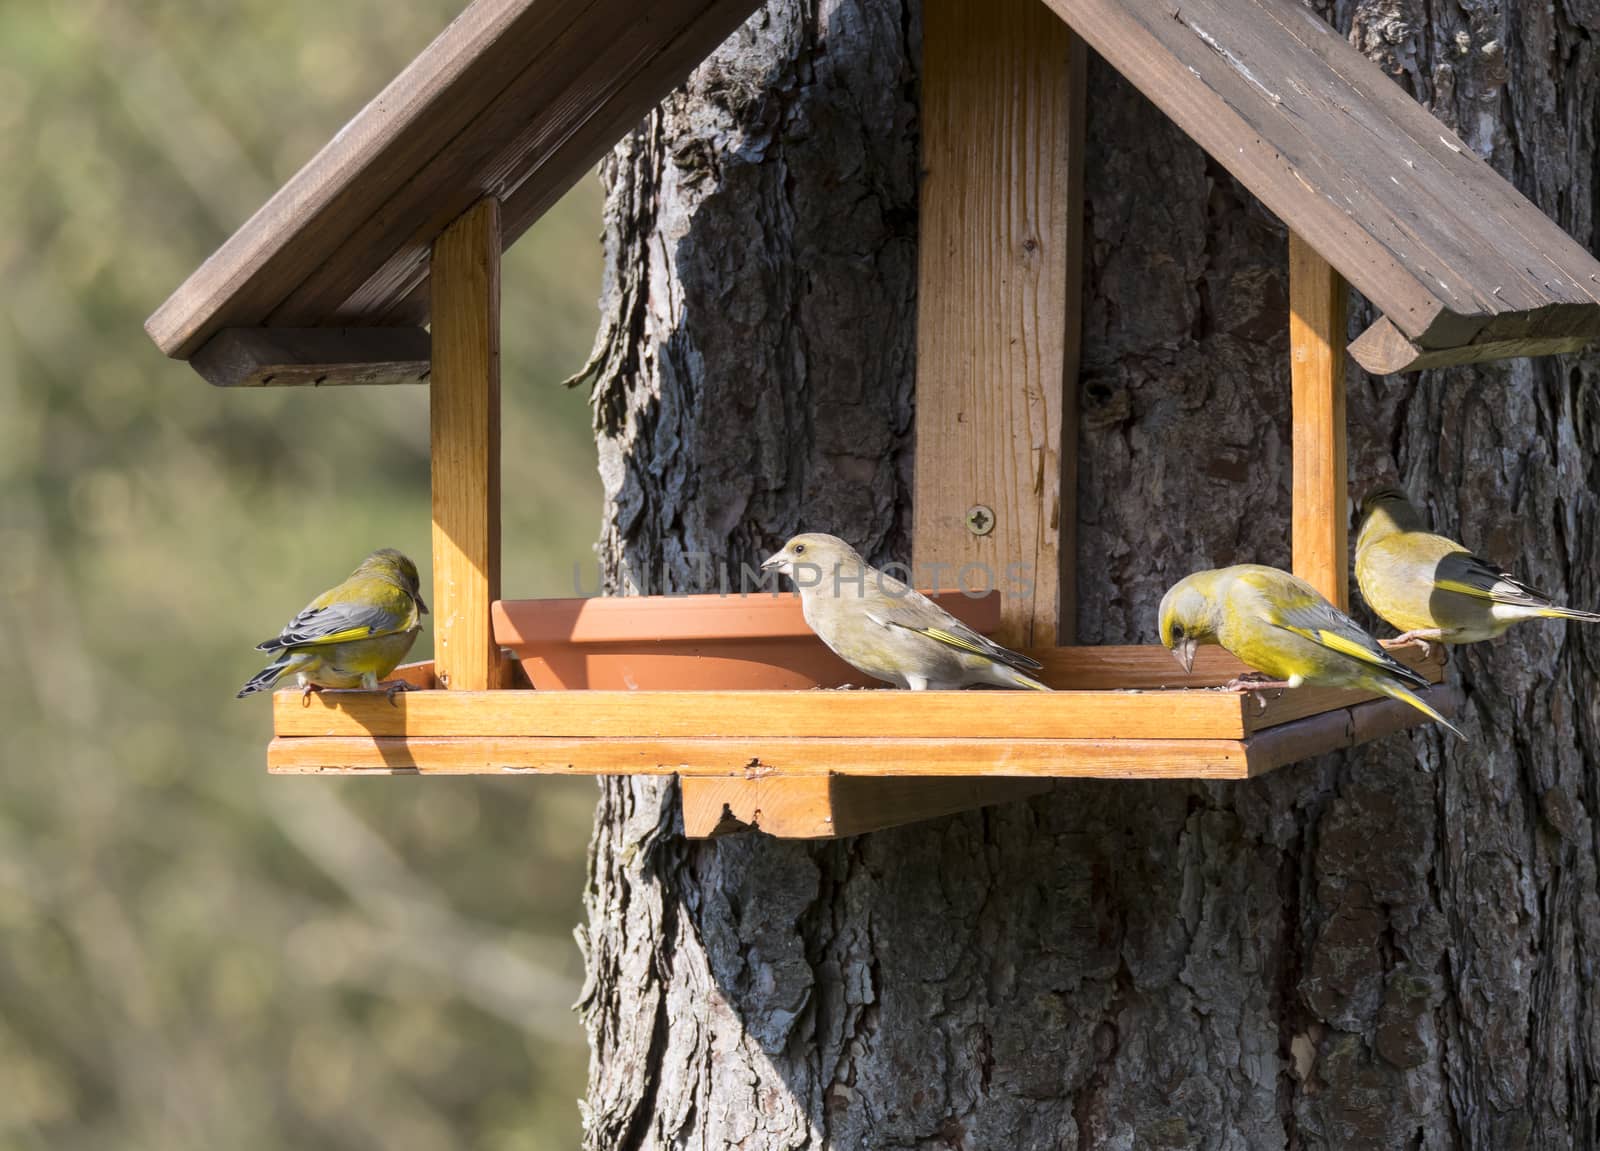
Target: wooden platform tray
736 751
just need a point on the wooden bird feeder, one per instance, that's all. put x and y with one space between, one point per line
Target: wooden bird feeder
403 216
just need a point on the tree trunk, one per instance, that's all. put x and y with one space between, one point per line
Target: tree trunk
1388 948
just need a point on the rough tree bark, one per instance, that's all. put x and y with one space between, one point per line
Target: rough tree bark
1392 948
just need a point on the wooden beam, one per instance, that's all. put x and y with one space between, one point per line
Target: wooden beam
465 432
314 357
831 806
1383 349
516 98
801 714
1321 478
1345 727
998 310
1091 714
775 755
784 807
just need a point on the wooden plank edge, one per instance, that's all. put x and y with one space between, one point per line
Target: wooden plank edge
314 357
1384 350
1347 727
752 714
751 757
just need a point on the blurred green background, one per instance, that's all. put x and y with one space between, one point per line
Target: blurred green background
192 954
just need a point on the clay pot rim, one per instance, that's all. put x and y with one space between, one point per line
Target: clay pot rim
636 619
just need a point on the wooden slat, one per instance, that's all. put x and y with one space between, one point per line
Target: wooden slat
1316 365
1131 666
1083 714
1403 209
465 433
514 755
736 714
515 99
997 321
315 357
755 757
1383 349
826 807
1347 727
1149 666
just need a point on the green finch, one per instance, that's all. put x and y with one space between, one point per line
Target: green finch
1431 588
1280 625
352 635
887 630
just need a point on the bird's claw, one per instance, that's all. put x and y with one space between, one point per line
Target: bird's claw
395 688
306 693
1256 684
1422 644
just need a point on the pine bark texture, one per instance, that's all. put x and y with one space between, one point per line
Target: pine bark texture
1390 948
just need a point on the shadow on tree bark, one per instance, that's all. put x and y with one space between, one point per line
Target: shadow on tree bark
1389 948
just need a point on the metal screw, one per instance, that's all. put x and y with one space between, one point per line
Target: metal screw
980 520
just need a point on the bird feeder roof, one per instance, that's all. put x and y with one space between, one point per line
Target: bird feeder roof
517 99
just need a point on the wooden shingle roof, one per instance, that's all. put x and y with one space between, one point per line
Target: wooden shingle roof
515 99
518 98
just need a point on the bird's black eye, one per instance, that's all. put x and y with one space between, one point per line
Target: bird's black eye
799 549
1177 631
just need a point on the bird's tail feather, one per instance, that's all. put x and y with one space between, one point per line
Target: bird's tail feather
1395 691
1555 611
1011 677
267 678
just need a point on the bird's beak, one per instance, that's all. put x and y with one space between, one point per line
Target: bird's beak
773 562
422 607
1184 654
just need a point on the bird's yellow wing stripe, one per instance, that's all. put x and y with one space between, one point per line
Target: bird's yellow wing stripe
1336 642
955 641
337 637
1476 592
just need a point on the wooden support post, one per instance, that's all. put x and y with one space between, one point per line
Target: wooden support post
997 365
1321 480
465 430
998 305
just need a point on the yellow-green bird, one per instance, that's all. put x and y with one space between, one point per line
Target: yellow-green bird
352 635
889 631
1282 626
1431 588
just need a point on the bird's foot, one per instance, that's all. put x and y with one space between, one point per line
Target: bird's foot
1256 684
306 692
1422 640
394 688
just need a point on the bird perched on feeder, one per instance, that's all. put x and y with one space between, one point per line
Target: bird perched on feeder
352 635
887 630
1431 588
1280 625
